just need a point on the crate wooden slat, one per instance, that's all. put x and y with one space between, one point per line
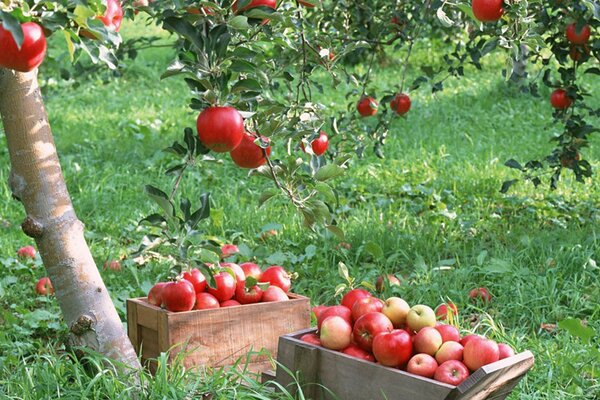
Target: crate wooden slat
216 337
348 378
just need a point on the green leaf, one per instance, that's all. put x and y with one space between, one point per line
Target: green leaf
267 195
12 25
206 256
246 85
374 249
336 231
326 191
161 199
343 271
239 22
329 171
507 184
577 329
201 213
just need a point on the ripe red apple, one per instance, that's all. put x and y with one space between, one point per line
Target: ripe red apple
427 340
31 53
468 338
224 286
246 295
227 250
487 10
560 99
248 154
505 351
452 372
240 276
179 296
311 338
366 305
196 278
155 294
368 326
251 269
576 36
113 265
25 251
445 310
478 353
448 332
230 303
392 349
320 144
422 365
335 333
277 276
317 310
400 103
389 280
481 293
420 316
205 301
274 293
340 311
353 295
579 53
220 129
449 351
367 106
44 287
355 351
396 309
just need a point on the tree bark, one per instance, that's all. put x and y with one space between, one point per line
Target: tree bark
36 180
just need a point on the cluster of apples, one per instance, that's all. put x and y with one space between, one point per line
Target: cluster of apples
396 335
235 285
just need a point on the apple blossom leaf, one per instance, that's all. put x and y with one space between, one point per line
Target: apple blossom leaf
576 328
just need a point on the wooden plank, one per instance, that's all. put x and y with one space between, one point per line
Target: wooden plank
132 325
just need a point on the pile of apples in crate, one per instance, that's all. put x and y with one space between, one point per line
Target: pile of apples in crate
234 285
396 335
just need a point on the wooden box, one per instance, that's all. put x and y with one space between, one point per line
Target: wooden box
215 337
349 378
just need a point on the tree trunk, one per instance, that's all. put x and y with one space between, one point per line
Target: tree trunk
36 180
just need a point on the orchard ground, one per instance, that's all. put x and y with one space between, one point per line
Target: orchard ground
431 213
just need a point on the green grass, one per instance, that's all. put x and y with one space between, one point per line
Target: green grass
432 207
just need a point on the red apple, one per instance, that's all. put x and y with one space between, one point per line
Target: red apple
448 332
227 250
422 365
420 316
251 269
196 278
248 295
277 276
392 349
274 293
576 36
368 326
427 340
44 287
400 103
155 294
206 301
320 144
445 310
113 265
240 276
366 305
505 351
468 338
367 106
355 351
389 280
353 295
31 53
26 251
449 351
480 352
179 296
340 311
317 310
221 129
250 155
452 372
311 338
487 10
335 333
396 309
230 303
481 293
560 100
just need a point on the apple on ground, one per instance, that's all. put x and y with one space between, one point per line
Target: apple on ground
428 340
396 309
452 372
26 252
340 311
448 332
44 286
449 351
392 349
353 295
423 365
368 326
505 351
335 333
446 310
366 305
481 293
388 280
355 351
113 265
311 338
478 353
420 316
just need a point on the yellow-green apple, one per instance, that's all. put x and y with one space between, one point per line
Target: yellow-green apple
428 340
423 365
336 333
449 351
420 316
368 326
505 351
452 372
448 332
446 310
274 293
468 338
355 351
340 311
392 349
311 338
396 309
366 305
353 295
388 280
478 353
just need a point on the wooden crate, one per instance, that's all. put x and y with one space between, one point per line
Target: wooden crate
349 378
215 337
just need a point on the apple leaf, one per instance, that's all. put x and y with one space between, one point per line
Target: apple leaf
374 249
576 328
336 231
329 171
12 25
